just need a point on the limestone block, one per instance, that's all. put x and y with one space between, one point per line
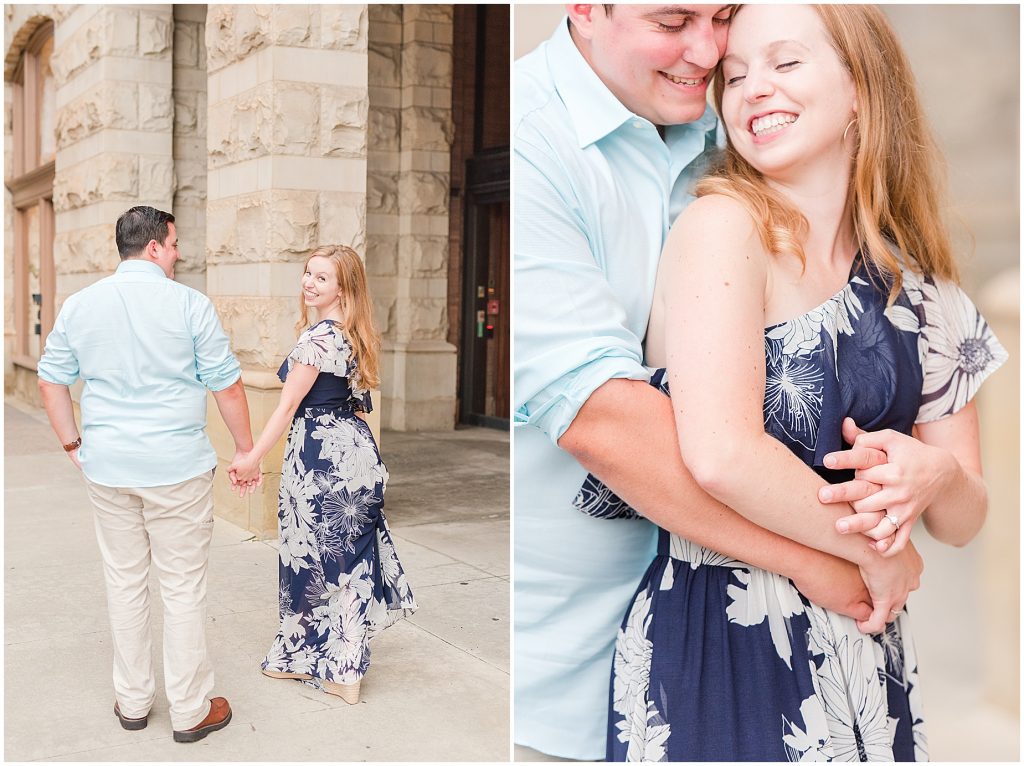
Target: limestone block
156 179
423 193
429 255
429 318
415 13
343 122
186 44
235 31
242 127
111 104
381 192
155 34
384 65
384 315
387 13
381 255
86 251
343 27
221 223
294 223
104 177
384 130
342 220
190 179
429 65
156 108
296 118
260 328
292 25
427 129
120 29
186 117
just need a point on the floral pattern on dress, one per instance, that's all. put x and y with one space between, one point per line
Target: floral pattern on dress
341 581
717 660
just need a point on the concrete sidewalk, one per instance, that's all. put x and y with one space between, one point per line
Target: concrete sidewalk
438 686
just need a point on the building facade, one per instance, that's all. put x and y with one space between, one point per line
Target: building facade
268 130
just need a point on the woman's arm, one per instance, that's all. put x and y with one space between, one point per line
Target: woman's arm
625 434
300 379
715 283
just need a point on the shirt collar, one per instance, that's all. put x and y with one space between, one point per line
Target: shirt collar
594 110
139 266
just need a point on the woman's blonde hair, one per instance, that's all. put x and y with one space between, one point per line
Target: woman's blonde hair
895 185
357 313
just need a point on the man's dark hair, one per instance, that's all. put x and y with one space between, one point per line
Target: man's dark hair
136 227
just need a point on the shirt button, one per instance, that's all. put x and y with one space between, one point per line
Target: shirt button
638 123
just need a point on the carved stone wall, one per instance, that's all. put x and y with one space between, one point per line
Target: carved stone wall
115 122
407 210
286 171
189 93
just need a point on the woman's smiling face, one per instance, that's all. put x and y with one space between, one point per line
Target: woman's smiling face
787 97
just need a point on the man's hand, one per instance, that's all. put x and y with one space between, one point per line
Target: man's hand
889 581
74 458
835 584
244 473
897 477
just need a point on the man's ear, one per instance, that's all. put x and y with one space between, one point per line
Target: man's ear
581 17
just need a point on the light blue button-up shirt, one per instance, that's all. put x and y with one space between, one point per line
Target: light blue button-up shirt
147 348
596 190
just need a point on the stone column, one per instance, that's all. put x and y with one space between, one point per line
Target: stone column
115 114
189 94
407 215
286 159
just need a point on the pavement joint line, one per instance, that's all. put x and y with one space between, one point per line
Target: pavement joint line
443 640
461 580
442 553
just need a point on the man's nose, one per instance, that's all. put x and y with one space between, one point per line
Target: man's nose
703 48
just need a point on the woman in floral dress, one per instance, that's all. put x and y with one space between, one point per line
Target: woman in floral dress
341 581
788 320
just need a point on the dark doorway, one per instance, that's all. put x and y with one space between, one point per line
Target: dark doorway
479 281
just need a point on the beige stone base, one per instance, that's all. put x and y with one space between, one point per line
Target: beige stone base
24 385
419 384
256 512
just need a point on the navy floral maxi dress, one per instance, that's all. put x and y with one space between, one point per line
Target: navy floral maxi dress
341 582
720 661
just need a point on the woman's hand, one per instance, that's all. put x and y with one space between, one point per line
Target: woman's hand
897 478
244 473
835 584
889 581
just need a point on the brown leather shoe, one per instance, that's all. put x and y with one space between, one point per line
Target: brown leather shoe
218 717
131 724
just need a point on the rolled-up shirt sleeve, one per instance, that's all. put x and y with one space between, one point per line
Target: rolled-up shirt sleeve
571 332
216 366
59 365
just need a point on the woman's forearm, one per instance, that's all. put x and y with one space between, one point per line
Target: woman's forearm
956 515
782 497
275 427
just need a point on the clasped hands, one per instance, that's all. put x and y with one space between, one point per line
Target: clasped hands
244 473
896 478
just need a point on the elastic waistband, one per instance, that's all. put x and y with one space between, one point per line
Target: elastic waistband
680 549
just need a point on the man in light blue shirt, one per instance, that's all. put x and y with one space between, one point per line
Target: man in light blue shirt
611 128
148 349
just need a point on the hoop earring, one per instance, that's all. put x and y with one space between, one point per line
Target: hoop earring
849 125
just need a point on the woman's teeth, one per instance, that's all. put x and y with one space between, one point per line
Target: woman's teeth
771 123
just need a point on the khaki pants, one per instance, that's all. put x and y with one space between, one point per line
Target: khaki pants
171 526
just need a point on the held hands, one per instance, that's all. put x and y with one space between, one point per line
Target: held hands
890 580
897 478
244 473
